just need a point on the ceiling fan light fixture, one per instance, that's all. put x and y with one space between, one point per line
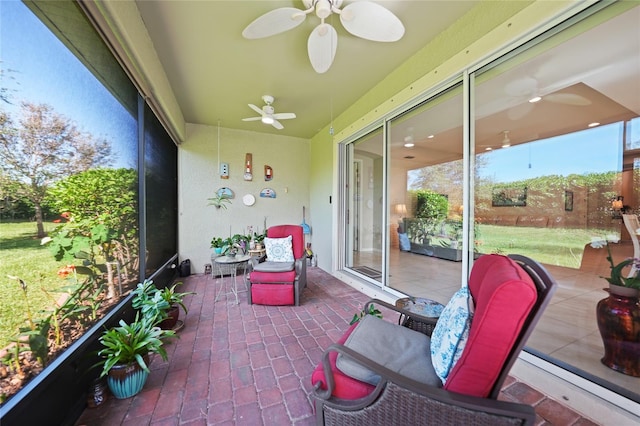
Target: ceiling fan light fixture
409 145
535 99
266 119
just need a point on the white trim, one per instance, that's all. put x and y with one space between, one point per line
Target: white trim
581 395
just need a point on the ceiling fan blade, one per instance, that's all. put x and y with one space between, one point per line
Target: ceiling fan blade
371 21
252 119
275 22
567 99
256 109
277 125
284 116
519 111
322 45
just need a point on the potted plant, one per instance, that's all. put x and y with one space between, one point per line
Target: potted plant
148 300
219 200
618 315
258 238
175 301
126 354
217 244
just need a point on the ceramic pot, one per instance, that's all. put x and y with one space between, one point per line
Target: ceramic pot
172 318
127 380
619 324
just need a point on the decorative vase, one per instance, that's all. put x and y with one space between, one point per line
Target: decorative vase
126 380
218 250
97 394
619 324
172 318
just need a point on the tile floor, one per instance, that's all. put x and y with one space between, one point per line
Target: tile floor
251 365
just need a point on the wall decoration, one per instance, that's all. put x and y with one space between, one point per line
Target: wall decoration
247 166
224 170
568 201
249 200
225 192
268 193
506 196
268 173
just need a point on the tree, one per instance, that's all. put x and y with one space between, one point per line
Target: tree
101 205
43 148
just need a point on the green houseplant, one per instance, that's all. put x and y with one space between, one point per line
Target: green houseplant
149 302
175 300
217 243
126 354
219 201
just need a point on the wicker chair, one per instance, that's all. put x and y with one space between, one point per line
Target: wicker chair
464 399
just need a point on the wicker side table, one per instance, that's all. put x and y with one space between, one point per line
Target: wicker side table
425 313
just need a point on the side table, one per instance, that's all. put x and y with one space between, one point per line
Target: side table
230 265
425 313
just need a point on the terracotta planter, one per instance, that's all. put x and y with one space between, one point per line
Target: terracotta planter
172 318
619 324
127 380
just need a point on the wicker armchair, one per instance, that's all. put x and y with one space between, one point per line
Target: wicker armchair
400 400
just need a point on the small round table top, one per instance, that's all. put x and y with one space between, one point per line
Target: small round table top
424 307
234 259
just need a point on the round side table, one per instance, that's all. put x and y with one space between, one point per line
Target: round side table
230 265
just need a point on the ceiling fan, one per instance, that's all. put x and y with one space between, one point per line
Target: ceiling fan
268 115
363 19
526 93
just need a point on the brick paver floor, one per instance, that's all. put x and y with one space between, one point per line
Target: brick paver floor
251 365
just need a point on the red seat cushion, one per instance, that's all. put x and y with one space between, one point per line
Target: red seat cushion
273 277
272 294
345 387
504 295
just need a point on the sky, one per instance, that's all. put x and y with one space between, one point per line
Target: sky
596 150
45 71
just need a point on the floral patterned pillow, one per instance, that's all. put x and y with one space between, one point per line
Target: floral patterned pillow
279 249
450 335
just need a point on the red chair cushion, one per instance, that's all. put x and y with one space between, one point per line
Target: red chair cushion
297 237
345 387
272 277
272 294
503 294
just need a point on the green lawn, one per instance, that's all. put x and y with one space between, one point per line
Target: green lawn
561 247
22 255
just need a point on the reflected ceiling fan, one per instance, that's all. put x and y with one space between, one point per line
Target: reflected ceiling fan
506 142
268 114
363 19
527 94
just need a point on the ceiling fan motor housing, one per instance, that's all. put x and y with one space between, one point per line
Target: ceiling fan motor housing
268 99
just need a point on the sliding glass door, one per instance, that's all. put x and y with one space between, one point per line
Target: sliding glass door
364 206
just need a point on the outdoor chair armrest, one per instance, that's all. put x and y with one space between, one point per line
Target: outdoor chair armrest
400 400
412 320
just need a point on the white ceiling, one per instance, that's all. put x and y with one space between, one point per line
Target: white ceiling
215 72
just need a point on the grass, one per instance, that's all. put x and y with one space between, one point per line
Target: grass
24 257
553 246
